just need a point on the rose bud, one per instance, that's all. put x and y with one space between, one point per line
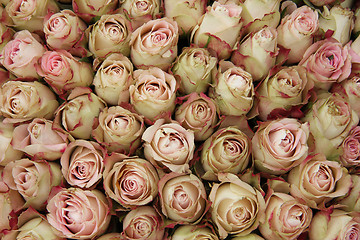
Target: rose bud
7 152
130 181
140 11
118 129
351 202
227 150
82 163
113 79
296 31
27 100
30 15
251 236
63 72
193 69
39 140
232 89
78 113
110 34
169 146
193 232
183 198
219 39
154 93
77 213
237 208
257 53
154 44
88 10
317 181
280 145
331 120
186 14
110 236
6 34
286 91
350 147
285 217
143 223
65 30
198 113
33 180
334 224
20 54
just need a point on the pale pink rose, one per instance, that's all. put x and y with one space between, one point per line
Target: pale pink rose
82 163
20 54
227 150
23 101
90 9
350 156
154 44
63 72
6 34
199 114
33 180
296 31
39 140
334 224
317 181
230 197
193 232
183 198
77 213
285 217
118 129
153 93
29 14
110 34
65 30
7 152
143 223
113 79
219 39
351 202
130 181
169 146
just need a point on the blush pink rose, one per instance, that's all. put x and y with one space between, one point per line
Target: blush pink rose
351 148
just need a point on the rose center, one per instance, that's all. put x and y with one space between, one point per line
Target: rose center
142 5
119 123
142 228
158 38
182 198
237 82
232 147
57 24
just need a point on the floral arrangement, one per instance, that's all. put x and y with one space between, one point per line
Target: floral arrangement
179 119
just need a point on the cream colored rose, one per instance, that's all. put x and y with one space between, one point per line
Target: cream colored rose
90 9
113 79
232 89
193 232
119 130
7 152
169 146
351 202
110 34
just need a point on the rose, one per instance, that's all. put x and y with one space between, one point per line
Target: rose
350 156
334 224
285 217
232 89
227 150
295 32
110 34
63 72
78 112
65 30
317 181
169 146
192 69
143 223
6 34
7 152
357 21
198 113
154 92
283 93
20 54
27 100
193 232
186 14
257 53
182 197
130 181
32 179
237 208
321 2
89 9
77 213
30 15
110 236
154 44
218 38
351 202
82 163
39 140
113 79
